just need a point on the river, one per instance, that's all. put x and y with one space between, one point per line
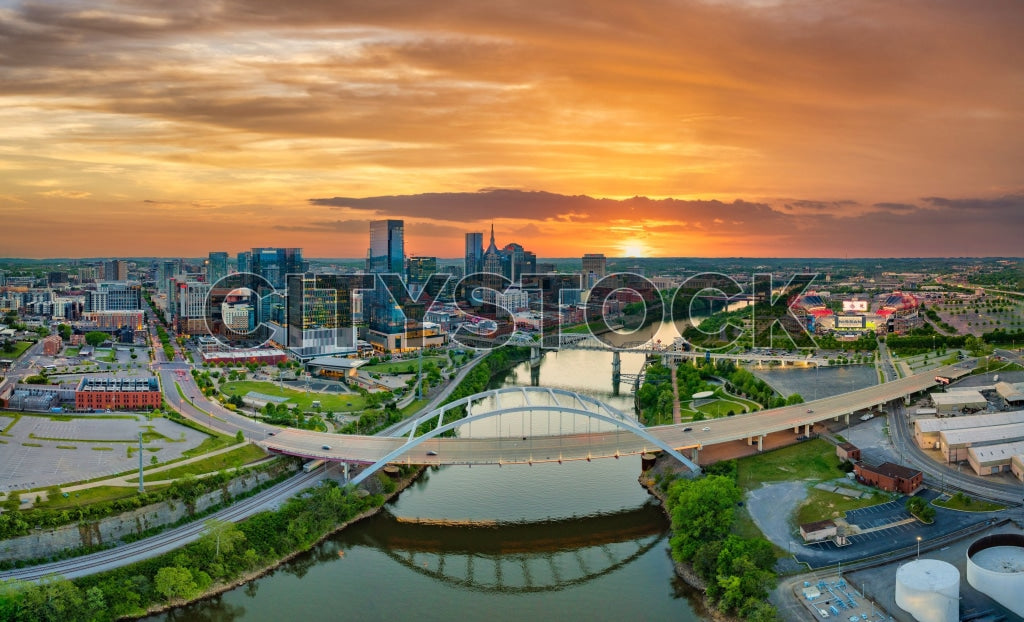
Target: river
580 540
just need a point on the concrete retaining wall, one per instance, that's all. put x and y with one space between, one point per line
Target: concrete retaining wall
46 543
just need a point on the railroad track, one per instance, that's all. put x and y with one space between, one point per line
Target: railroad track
143 549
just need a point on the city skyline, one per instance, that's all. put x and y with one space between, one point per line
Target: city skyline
754 128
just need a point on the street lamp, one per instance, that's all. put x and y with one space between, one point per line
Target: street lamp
919 548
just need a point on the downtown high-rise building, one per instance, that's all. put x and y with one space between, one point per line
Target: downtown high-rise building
474 253
595 267
216 266
275 264
387 247
115 270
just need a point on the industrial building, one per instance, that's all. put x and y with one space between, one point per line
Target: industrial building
818 530
926 431
955 402
954 443
889 477
991 459
1012 394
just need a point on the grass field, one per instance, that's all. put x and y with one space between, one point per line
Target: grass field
88 496
407 366
19 349
720 408
821 504
210 443
71 351
813 460
229 460
971 505
328 401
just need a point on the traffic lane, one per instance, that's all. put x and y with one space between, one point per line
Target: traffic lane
438 451
223 419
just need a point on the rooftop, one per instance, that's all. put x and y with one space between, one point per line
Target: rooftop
890 469
971 421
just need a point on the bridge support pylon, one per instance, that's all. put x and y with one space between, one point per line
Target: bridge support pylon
616 367
760 443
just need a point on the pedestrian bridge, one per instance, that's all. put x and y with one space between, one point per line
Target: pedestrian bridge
554 425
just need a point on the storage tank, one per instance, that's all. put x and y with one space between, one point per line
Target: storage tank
929 590
995 566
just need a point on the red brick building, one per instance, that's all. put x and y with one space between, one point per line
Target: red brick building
890 477
52 345
117 394
848 451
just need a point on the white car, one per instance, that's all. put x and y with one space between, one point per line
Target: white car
707 429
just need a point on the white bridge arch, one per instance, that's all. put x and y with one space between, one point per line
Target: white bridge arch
554 401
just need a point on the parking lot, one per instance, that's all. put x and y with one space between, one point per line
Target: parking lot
39 450
887 527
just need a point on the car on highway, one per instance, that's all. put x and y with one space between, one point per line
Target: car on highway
810 410
687 429
431 453
707 429
327 447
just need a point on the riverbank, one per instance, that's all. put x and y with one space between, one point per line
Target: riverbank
666 469
401 484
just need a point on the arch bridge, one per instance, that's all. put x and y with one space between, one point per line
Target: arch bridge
547 428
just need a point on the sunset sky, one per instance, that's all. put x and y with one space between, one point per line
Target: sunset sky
834 128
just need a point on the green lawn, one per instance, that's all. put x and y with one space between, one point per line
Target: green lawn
88 496
71 351
328 401
720 408
19 349
408 366
413 407
229 460
210 443
971 505
105 356
821 504
811 460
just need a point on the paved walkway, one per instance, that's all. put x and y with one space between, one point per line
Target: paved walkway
676 416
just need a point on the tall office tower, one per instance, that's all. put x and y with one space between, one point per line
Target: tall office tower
319 315
274 264
474 253
165 271
386 256
244 262
216 266
115 270
596 263
419 269
387 247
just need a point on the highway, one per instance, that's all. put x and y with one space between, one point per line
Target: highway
370 449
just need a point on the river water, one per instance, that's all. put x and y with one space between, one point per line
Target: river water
580 540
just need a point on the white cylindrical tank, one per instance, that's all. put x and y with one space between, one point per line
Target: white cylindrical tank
929 590
995 567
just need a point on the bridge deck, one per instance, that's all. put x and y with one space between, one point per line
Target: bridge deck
371 449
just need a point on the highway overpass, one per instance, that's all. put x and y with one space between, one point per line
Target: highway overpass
428 448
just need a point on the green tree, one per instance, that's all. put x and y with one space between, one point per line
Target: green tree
702 510
174 582
239 437
796 398
95 337
65 331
